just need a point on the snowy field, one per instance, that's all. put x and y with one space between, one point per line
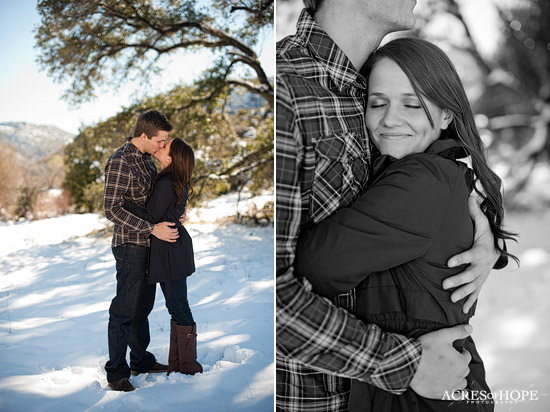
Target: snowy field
512 323
56 284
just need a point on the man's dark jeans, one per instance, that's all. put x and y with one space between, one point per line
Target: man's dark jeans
128 323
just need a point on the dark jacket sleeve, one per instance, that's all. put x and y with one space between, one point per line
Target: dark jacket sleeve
393 222
183 201
137 210
163 193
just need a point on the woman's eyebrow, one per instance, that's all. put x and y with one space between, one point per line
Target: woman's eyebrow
376 94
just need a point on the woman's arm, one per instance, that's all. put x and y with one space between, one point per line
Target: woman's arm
393 222
137 210
156 205
162 195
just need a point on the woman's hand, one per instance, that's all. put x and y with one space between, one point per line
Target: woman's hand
481 257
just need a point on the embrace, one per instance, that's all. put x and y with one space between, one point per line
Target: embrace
150 245
389 219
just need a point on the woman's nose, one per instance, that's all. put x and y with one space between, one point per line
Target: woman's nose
392 117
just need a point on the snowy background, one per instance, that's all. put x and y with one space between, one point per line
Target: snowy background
512 323
57 282
57 279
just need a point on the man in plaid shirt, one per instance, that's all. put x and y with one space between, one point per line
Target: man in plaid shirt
323 157
129 174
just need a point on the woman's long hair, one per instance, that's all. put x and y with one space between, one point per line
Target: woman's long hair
433 76
182 166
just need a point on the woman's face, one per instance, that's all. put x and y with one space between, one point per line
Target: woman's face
395 118
163 155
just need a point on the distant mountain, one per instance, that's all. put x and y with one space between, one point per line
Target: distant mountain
241 99
247 100
34 141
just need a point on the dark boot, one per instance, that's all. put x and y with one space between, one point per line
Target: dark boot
156 368
187 347
173 355
121 385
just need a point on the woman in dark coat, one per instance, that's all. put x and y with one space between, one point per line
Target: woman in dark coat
393 243
171 263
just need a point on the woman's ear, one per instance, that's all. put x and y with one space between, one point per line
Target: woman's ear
448 117
168 160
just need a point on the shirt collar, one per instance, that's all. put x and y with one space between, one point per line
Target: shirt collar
447 148
335 61
131 149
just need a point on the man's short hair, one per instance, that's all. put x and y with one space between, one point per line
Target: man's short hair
312 5
150 123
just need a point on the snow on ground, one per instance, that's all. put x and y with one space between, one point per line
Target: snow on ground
228 205
511 325
56 285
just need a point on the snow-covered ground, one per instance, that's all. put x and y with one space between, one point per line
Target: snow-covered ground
512 323
56 285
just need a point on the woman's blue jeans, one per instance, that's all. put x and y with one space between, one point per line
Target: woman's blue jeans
128 323
176 302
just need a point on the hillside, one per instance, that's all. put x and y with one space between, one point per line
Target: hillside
31 165
34 141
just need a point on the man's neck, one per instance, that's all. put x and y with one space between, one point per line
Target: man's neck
358 43
136 141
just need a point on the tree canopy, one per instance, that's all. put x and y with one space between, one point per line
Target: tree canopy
233 148
105 42
512 101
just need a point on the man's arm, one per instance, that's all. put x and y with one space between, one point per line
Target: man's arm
481 259
117 180
310 328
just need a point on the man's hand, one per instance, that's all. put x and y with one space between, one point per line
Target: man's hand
442 368
183 218
481 257
165 231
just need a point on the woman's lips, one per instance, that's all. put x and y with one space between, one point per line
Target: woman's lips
394 135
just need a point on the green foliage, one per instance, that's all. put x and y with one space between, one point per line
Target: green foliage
527 46
231 150
10 177
92 196
25 202
95 43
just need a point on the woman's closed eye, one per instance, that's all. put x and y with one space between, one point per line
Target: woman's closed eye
412 104
376 103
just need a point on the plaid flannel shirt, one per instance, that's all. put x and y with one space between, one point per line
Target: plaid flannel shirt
322 161
129 175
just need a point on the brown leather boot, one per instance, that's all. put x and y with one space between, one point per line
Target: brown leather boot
173 354
187 347
121 385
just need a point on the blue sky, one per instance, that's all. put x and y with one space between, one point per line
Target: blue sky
28 94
